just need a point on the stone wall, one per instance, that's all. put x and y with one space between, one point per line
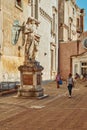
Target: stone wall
48 44
11 57
13 54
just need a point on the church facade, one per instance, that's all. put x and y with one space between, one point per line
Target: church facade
13 16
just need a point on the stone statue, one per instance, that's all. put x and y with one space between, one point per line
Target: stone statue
30 42
30 38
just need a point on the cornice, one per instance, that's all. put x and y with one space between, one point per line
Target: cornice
42 12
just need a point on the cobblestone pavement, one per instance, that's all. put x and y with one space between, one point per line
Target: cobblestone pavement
56 112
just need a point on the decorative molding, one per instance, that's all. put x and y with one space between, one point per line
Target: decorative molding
19 4
55 9
42 12
53 44
73 32
64 26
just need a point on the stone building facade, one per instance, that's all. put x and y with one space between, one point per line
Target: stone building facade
71 20
13 15
71 29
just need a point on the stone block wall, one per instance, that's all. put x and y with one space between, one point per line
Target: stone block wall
11 57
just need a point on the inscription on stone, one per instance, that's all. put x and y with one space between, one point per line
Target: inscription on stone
27 79
38 79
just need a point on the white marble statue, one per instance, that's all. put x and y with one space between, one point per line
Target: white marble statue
31 45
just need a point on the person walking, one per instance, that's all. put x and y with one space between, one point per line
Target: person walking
58 80
70 84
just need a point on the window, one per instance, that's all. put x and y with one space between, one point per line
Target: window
53 22
19 4
34 8
77 22
52 60
29 1
84 63
69 32
73 11
84 68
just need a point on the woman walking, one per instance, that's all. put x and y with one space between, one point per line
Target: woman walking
70 84
58 80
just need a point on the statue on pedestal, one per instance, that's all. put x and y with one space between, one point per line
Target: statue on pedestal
31 70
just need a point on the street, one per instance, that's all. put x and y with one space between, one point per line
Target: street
55 112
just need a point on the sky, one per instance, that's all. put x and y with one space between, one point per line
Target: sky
83 4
